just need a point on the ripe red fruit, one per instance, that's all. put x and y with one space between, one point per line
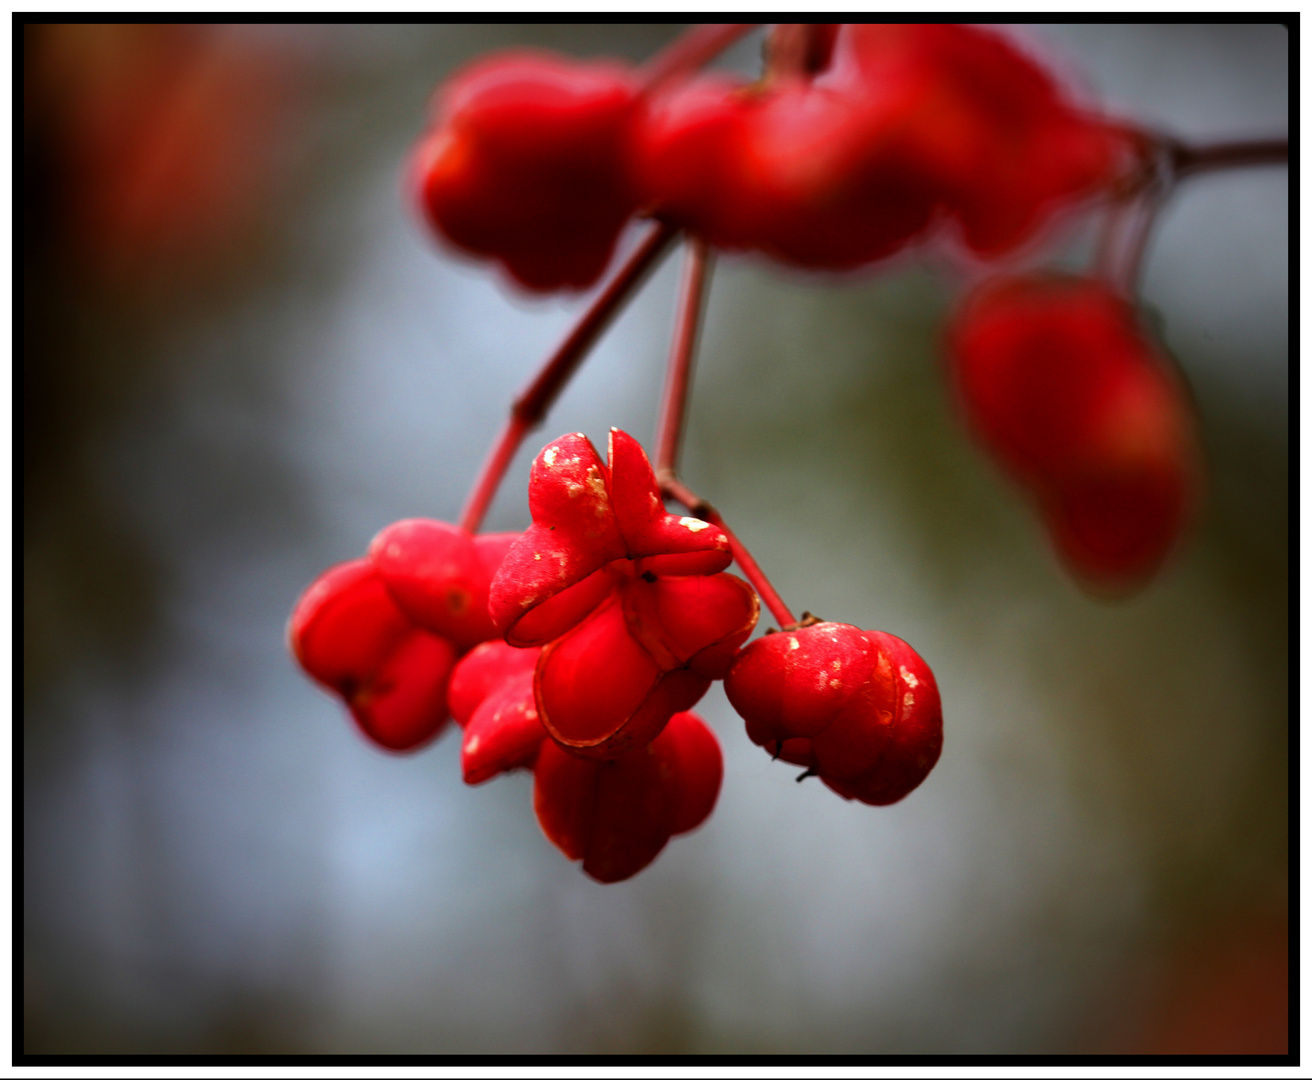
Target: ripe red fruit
491 697
649 650
988 130
1063 385
440 575
525 163
623 596
902 125
858 707
617 815
796 169
585 515
350 636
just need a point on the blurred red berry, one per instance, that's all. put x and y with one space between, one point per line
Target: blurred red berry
1063 385
844 165
860 708
795 169
526 163
617 815
988 130
350 636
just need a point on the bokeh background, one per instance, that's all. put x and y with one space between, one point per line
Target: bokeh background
242 356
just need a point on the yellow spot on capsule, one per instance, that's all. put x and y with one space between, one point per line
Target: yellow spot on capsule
694 525
549 456
472 745
793 643
537 557
834 684
907 702
908 678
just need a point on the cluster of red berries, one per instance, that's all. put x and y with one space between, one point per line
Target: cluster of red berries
576 648
841 156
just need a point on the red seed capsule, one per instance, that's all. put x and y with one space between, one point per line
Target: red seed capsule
650 650
797 169
846 162
1063 385
349 635
859 708
989 130
526 163
624 598
587 514
440 575
617 815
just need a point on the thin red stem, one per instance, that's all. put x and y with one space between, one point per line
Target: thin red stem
1228 155
674 488
799 49
683 350
695 47
1124 241
532 405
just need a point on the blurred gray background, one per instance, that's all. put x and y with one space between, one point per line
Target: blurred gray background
243 356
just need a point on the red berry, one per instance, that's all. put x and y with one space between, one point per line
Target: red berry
858 707
797 169
586 515
350 636
480 673
842 166
492 699
650 650
984 125
617 815
1061 382
526 163
440 575
623 596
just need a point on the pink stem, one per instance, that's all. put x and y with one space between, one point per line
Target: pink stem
1228 155
674 488
691 50
534 402
1124 240
683 349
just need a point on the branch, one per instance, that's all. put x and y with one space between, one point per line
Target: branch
691 50
683 349
1186 159
533 403
672 487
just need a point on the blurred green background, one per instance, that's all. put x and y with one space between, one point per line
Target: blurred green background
242 356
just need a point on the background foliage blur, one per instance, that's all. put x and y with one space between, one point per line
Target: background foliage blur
242 357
